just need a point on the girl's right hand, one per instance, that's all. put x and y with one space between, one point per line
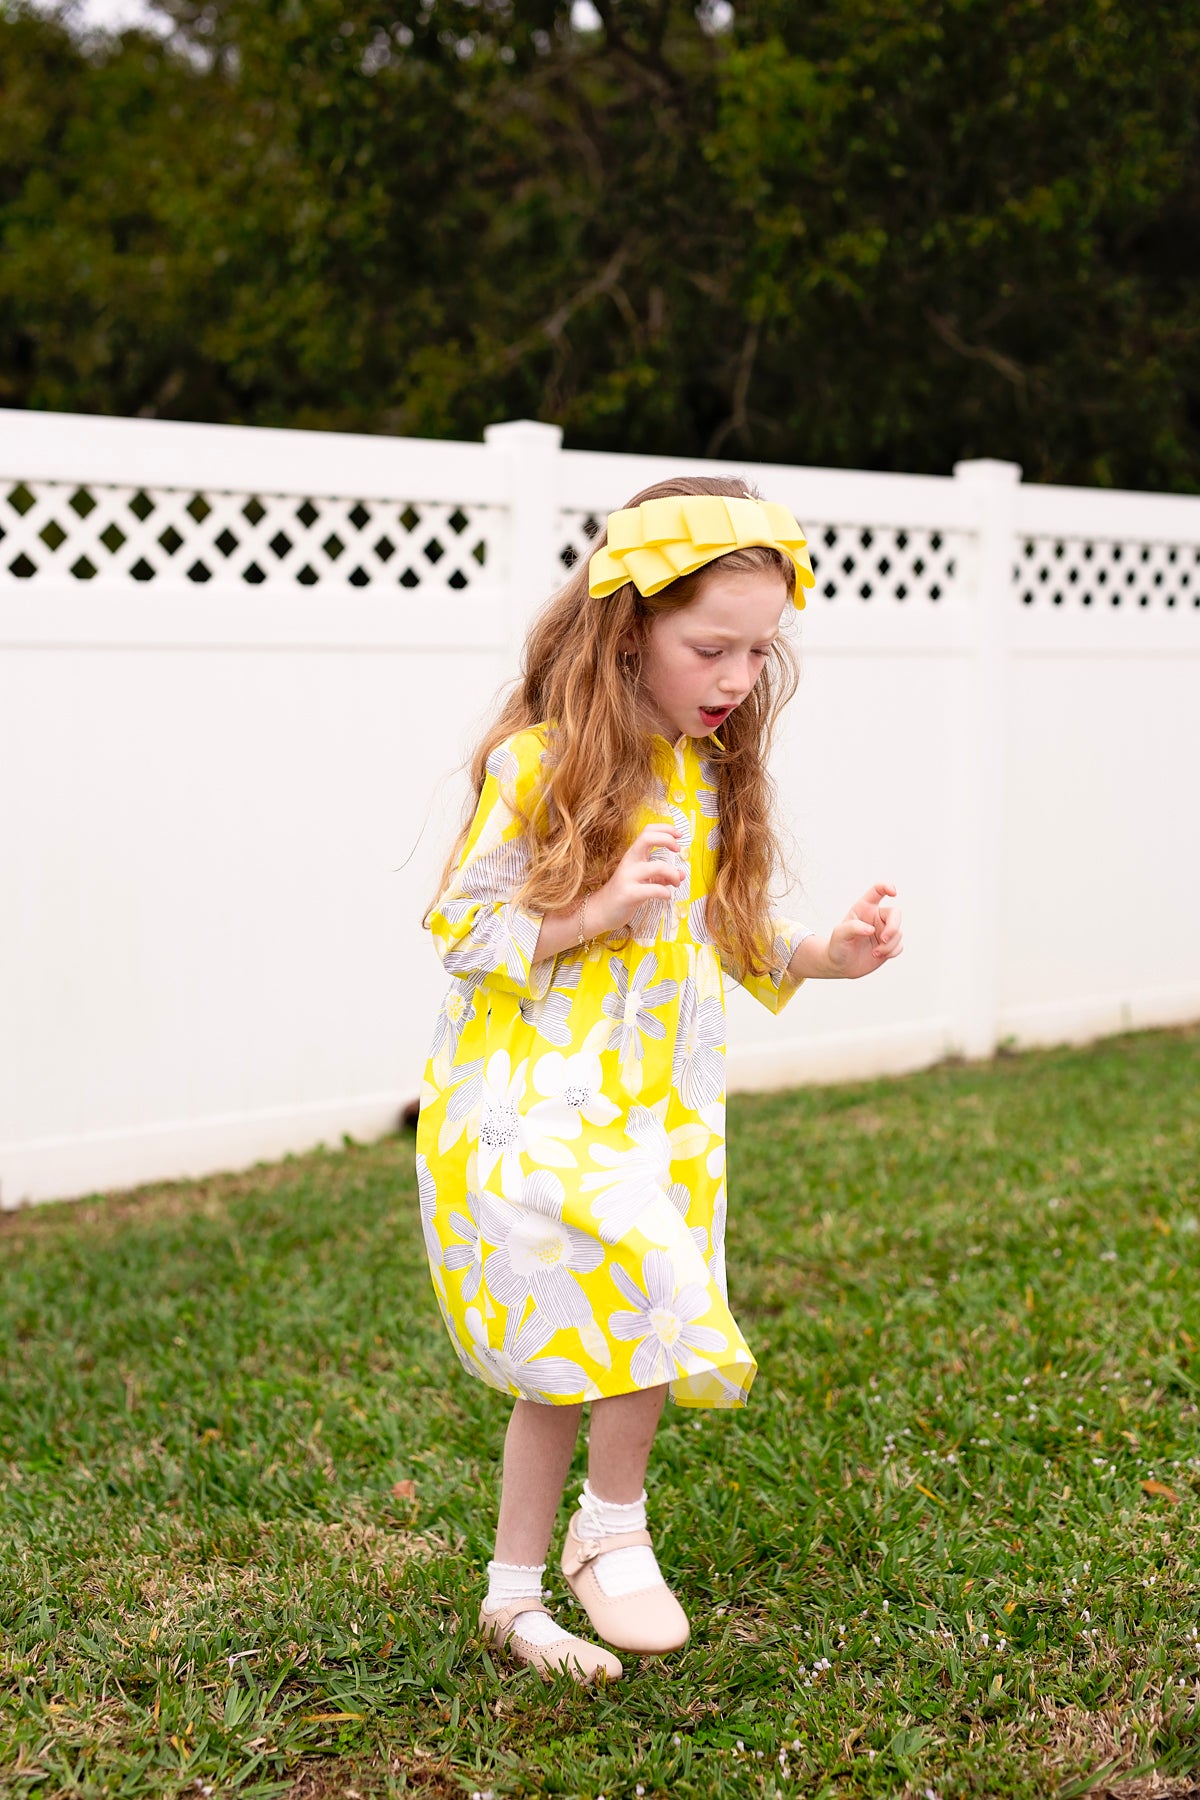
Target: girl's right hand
639 876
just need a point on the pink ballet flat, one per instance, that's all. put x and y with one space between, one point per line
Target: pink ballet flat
584 1662
649 1621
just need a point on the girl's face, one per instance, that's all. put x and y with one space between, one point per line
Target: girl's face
701 660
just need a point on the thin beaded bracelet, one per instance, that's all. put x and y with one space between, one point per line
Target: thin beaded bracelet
582 904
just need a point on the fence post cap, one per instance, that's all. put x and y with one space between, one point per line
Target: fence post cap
513 434
987 468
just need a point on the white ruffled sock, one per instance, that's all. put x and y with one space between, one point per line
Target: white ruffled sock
621 1571
522 1581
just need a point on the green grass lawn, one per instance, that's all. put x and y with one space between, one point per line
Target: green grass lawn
951 1547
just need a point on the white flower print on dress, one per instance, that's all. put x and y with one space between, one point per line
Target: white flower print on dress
519 1367
575 1082
698 920
631 1005
714 1118
683 861
706 800
505 1130
467 1255
458 1009
681 1200
503 764
502 935
782 950
635 1179
536 1253
464 1098
551 1015
427 1207
663 1320
656 919
716 1262
698 1065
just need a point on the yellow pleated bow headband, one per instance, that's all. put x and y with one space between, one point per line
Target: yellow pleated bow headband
660 540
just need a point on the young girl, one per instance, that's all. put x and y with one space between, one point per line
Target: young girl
571 1143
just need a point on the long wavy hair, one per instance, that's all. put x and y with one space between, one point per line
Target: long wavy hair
580 677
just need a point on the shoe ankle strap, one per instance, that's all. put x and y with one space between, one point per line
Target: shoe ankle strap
503 1618
580 1551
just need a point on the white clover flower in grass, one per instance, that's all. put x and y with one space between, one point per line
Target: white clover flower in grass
536 1251
575 1085
634 1179
698 1065
467 1255
632 1006
663 1322
519 1365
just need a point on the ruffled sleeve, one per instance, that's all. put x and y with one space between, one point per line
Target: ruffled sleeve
477 927
774 989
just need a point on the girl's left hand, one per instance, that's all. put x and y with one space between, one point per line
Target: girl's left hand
868 936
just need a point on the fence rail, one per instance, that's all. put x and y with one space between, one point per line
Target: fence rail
216 861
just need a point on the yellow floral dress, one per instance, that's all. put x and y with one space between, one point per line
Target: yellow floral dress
571 1142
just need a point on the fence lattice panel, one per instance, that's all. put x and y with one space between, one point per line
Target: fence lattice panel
1106 572
84 533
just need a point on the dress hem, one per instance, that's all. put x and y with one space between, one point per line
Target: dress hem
707 1390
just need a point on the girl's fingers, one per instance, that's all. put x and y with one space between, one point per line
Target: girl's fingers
891 922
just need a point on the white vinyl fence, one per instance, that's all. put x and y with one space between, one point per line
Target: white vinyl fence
238 669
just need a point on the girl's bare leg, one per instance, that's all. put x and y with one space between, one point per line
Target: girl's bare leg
538 1447
621 1434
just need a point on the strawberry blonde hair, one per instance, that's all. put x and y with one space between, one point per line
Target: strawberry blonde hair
578 675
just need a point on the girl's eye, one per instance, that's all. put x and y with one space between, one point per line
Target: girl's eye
709 654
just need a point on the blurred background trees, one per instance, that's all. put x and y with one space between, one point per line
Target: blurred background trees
878 233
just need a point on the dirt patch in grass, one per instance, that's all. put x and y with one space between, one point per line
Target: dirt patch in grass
323 1780
173 1591
344 1778
1108 1741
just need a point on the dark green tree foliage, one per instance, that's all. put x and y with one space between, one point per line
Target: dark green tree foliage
878 233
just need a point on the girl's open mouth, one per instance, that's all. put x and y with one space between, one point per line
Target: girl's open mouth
712 715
